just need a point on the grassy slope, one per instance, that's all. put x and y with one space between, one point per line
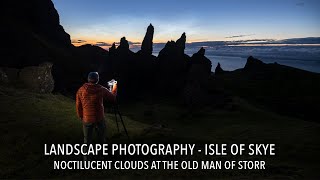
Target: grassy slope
29 120
282 89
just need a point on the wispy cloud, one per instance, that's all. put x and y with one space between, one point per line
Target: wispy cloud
130 43
292 41
242 35
103 44
78 41
134 43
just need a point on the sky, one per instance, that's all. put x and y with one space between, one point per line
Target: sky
106 21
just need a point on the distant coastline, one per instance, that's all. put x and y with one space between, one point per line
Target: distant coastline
302 53
231 58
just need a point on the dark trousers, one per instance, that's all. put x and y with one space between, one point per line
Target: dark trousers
100 128
88 128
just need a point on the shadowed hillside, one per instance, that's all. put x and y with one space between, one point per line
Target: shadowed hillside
283 89
30 120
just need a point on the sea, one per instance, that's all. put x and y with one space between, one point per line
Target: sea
235 57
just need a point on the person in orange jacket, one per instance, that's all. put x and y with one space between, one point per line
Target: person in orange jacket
90 109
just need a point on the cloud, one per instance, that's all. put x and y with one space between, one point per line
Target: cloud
130 43
134 43
272 42
243 35
78 41
256 41
103 44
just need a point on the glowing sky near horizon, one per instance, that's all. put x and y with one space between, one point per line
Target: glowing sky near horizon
207 20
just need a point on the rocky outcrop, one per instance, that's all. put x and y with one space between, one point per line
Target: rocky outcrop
172 67
38 78
35 78
93 57
199 58
119 66
181 43
33 35
35 24
3 77
174 48
11 74
144 64
147 44
218 70
39 16
112 49
252 64
124 44
196 88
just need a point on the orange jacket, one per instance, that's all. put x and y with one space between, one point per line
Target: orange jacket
89 102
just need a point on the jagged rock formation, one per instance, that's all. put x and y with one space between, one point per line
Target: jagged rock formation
33 35
172 67
181 43
37 22
200 59
218 70
144 64
134 71
118 66
39 16
252 64
196 88
174 48
93 57
147 44
112 49
124 44
34 23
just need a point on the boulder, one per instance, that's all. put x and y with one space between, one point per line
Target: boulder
11 74
38 78
3 77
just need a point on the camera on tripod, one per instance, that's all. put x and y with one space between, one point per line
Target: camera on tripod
112 84
113 87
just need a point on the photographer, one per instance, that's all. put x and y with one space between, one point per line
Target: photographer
90 109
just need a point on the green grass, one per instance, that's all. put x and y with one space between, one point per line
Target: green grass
284 90
29 120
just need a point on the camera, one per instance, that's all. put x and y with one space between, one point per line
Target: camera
111 84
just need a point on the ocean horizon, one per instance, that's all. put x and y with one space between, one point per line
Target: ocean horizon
235 57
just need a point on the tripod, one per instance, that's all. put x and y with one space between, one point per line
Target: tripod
116 111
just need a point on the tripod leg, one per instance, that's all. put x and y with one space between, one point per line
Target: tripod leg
124 127
115 115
